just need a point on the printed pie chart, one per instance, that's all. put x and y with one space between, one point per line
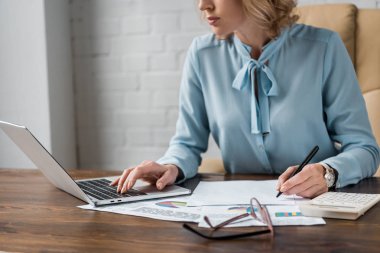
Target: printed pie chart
171 204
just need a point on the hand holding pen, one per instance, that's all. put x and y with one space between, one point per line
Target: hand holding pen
306 180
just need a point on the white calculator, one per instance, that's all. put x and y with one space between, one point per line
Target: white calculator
340 205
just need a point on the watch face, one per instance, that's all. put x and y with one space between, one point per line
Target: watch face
329 179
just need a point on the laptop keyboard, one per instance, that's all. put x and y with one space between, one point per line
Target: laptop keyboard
100 189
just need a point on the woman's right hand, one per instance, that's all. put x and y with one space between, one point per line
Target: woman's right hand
152 172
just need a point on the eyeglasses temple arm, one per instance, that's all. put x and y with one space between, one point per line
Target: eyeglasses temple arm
224 223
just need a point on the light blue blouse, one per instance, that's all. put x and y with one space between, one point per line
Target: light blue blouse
308 95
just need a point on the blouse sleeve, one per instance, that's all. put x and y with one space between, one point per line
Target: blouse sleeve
346 117
192 129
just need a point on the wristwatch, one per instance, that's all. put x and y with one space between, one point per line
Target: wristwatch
331 176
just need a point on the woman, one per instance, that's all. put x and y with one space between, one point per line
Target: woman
267 90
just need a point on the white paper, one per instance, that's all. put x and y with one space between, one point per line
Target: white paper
280 216
288 219
170 209
239 192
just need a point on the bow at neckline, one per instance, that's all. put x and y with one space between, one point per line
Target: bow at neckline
257 72
267 86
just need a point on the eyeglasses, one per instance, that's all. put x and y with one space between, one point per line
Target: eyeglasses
257 212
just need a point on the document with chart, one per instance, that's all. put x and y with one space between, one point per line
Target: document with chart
170 209
280 215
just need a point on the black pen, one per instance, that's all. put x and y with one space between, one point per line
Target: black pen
303 164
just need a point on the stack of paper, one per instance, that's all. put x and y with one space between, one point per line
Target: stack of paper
281 215
220 201
239 192
173 209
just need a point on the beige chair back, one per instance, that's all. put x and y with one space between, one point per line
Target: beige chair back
368 65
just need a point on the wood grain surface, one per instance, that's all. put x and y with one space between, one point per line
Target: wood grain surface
37 217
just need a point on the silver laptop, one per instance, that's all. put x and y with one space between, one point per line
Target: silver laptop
94 191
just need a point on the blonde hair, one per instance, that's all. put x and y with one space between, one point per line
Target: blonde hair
271 15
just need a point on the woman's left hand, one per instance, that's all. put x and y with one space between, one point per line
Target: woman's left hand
308 183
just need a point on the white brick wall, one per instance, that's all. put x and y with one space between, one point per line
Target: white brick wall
128 57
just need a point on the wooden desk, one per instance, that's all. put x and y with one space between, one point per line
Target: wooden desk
37 217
